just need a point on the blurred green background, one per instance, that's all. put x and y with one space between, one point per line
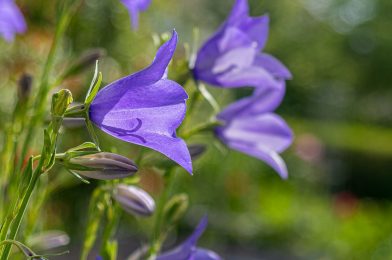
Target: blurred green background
336 203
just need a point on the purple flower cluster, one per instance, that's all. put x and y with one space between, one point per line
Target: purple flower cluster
11 20
231 58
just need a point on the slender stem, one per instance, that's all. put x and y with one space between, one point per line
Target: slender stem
22 209
200 128
43 90
157 235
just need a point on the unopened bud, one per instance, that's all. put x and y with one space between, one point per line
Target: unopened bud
49 239
24 86
134 200
175 208
87 59
60 102
102 166
196 150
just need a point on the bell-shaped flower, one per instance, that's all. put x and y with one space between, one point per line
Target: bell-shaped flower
252 128
232 56
11 20
134 8
188 249
146 108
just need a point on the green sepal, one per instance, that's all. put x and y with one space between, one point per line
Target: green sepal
78 177
85 145
94 86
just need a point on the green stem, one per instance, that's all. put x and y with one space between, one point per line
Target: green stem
43 90
158 237
22 209
200 128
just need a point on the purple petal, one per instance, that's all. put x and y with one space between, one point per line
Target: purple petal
270 157
262 101
262 136
134 8
204 254
239 11
227 59
272 65
11 20
145 109
188 248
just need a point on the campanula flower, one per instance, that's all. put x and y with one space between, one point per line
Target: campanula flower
145 108
232 56
134 8
252 128
188 250
11 20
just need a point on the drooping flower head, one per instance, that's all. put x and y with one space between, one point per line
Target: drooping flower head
232 58
252 128
188 249
11 20
134 8
145 108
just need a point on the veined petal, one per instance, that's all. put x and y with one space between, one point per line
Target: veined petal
145 109
147 116
272 65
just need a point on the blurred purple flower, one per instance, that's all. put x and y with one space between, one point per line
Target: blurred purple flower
251 128
11 20
145 108
231 57
134 8
188 250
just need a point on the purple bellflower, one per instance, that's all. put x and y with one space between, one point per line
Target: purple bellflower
134 8
11 20
188 250
232 56
251 127
146 108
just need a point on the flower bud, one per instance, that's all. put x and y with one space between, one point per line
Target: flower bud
134 200
87 59
49 240
24 86
196 150
60 102
102 166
